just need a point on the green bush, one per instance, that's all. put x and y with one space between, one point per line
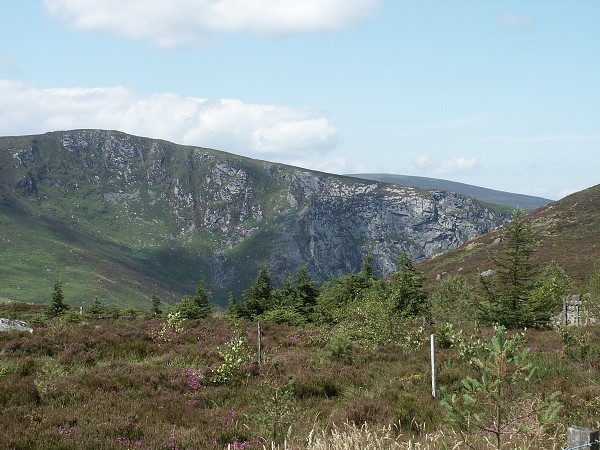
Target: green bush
284 315
339 348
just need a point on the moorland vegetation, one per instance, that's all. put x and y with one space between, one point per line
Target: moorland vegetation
342 365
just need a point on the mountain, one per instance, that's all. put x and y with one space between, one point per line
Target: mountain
120 217
567 232
525 202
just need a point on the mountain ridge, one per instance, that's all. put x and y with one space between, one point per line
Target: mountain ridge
508 199
118 216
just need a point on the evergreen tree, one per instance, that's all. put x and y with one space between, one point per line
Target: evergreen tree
155 299
305 292
201 299
57 304
197 306
507 293
367 271
235 310
452 300
548 293
259 296
407 290
96 309
336 294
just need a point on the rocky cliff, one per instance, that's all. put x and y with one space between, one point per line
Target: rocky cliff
166 214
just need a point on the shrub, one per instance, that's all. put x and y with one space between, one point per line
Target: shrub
16 390
339 348
366 410
284 315
317 386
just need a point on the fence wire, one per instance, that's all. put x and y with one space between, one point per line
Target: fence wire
589 444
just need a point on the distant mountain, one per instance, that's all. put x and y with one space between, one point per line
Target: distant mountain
120 216
525 202
567 231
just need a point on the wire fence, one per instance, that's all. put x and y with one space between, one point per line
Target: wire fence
589 444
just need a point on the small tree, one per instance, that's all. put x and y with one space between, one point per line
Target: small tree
452 300
497 399
155 299
407 291
298 295
96 309
548 293
507 292
337 294
57 305
196 306
259 296
201 299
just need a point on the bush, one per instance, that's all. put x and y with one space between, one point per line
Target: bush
15 390
284 315
339 348
315 386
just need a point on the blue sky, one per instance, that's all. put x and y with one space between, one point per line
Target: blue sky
501 94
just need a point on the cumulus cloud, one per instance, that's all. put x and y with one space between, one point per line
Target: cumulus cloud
225 124
181 22
447 166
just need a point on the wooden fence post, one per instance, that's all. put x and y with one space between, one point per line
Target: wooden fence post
581 437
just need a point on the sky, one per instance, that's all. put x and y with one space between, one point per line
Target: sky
495 93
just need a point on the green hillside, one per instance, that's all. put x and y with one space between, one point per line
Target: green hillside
121 217
567 232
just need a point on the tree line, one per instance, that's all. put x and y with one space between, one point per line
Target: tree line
518 294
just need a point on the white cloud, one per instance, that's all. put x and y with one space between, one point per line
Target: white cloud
228 125
427 165
540 138
516 21
181 22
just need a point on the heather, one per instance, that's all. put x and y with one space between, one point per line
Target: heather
148 381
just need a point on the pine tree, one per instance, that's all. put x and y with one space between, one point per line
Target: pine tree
195 306
57 305
508 292
201 299
259 296
155 299
407 290
305 292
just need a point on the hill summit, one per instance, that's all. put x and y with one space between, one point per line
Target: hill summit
120 217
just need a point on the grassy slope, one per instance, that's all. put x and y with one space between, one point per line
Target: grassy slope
568 232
